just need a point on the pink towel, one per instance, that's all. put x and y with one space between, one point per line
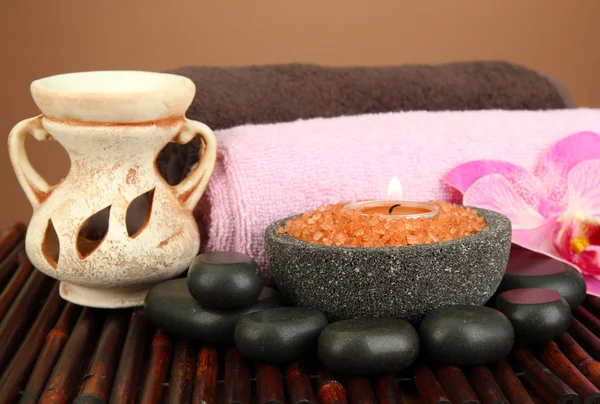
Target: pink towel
268 172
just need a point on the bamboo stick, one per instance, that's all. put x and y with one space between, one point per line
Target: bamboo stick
580 358
588 319
330 391
97 386
74 359
546 383
127 379
15 374
21 314
237 378
10 237
552 357
485 386
55 341
10 263
269 384
430 390
510 383
297 382
386 390
161 354
205 384
181 383
359 391
585 337
16 283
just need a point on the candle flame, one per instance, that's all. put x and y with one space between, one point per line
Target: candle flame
394 191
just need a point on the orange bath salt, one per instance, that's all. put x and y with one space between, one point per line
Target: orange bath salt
333 225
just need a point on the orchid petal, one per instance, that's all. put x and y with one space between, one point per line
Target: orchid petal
569 151
463 176
495 192
591 231
538 239
592 284
584 188
588 261
553 169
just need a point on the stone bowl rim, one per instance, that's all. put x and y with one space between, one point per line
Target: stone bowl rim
489 215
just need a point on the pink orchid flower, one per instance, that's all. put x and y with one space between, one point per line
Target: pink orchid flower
555 211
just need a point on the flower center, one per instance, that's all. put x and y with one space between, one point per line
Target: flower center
585 231
579 244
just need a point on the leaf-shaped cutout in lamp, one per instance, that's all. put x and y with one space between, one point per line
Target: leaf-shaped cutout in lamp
92 232
51 245
138 213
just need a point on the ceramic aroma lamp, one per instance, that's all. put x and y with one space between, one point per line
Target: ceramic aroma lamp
396 281
112 227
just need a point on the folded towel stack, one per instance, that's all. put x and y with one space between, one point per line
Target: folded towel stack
268 172
232 96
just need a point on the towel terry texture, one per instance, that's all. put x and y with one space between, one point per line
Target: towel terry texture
268 172
232 96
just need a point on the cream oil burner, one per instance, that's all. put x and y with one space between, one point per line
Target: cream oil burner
113 124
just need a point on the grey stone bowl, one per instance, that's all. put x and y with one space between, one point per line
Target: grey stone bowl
405 282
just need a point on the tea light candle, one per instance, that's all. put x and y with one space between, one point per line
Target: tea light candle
394 206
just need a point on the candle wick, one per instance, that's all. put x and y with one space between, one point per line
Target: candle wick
392 208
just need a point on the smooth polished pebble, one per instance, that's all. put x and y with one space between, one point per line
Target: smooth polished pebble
170 305
528 269
224 280
466 335
279 335
369 345
537 315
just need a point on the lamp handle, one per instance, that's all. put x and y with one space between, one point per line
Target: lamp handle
192 187
36 188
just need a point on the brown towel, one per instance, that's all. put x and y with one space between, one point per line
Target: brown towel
232 96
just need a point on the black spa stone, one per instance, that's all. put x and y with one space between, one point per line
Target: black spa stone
279 335
537 315
403 282
368 345
466 335
170 305
224 280
527 269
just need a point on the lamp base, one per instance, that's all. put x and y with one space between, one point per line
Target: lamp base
112 298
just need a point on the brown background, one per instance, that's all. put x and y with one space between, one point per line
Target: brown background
40 38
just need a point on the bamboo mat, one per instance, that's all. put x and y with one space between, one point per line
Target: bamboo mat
54 352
